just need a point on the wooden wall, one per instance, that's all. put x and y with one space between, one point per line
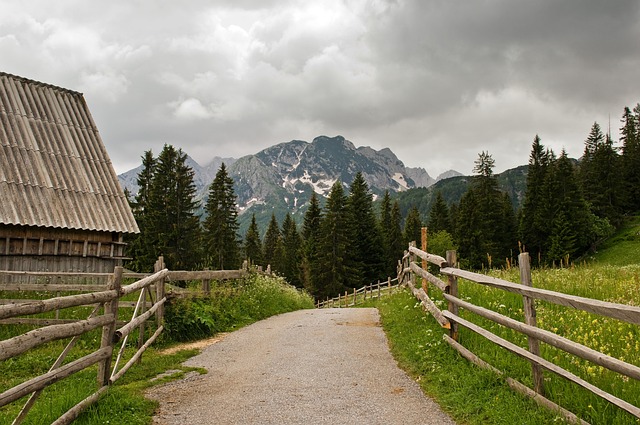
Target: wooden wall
28 248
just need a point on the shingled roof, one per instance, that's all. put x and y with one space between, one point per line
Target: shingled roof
54 169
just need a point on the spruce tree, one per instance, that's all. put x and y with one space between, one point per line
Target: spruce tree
366 241
309 270
272 246
221 225
173 224
533 229
332 276
396 240
141 246
486 221
252 243
630 139
413 227
566 209
291 250
439 219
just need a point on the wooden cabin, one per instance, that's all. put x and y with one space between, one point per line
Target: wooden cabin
61 206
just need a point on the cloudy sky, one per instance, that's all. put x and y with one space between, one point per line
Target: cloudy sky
437 81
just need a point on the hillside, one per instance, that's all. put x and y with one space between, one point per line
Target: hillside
512 181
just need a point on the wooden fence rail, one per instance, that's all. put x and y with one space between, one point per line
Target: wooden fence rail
359 296
106 299
450 319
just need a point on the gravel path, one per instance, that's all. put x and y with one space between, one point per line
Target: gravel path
329 366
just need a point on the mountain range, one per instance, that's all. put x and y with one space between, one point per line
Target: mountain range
282 178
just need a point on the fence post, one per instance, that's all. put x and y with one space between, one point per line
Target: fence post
412 259
425 264
159 291
524 263
104 367
453 290
206 284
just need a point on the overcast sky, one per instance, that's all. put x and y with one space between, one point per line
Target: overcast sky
437 81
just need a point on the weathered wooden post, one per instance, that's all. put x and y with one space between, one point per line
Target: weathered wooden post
412 259
425 264
453 290
206 284
159 291
524 263
104 367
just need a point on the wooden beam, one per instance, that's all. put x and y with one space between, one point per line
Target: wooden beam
19 344
53 376
545 364
552 339
627 313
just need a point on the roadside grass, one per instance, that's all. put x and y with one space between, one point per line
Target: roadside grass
230 306
462 388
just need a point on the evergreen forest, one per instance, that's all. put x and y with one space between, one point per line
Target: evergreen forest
567 209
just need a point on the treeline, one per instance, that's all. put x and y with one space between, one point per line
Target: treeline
336 248
568 206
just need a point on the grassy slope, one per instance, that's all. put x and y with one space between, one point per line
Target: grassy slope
623 248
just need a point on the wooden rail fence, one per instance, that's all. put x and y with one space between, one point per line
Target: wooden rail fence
450 319
359 296
106 299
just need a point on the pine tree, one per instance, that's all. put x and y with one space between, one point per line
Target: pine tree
630 139
332 277
291 247
173 226
252 243
566 208
413 227
221 225
439 219
310 245
141 246
366 242
395 240
272 246
533 229
486 221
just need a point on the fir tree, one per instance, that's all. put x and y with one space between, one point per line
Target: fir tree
413 227
395 240
221 225
291 248
272 247
366 241
630 139
252 243
563 195
486 221
141 246
310 245
533 228
333 245
439 219
172 224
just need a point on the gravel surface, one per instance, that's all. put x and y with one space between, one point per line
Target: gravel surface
329 366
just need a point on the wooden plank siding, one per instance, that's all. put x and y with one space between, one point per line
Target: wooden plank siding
62 206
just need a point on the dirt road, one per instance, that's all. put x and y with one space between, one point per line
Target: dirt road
328 366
